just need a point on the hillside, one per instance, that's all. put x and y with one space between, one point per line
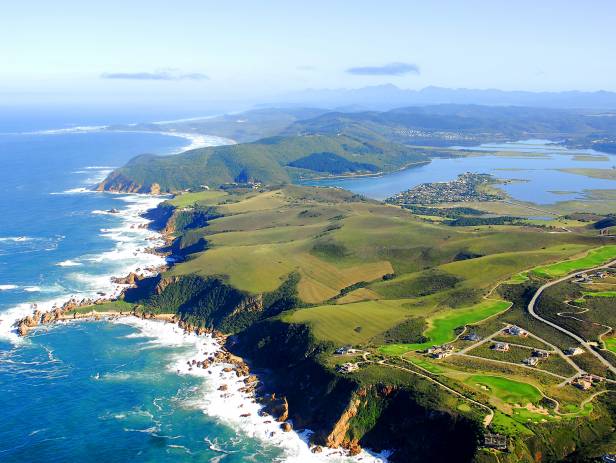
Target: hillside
274 160
297 273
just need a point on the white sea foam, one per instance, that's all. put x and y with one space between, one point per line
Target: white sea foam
228 406
127 255
32 289
15 239
8 287
78 129
69 263
72 191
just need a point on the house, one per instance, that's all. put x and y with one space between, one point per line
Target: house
495 441
501 346
440 352
582 383
540 354
343 350
471 337
574 351
531 361
347 367
514 330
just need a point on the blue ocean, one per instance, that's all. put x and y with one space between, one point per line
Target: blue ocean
100 390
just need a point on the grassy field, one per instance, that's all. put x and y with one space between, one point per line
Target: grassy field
113 306
351 323
507 390
593 258
203 197
610 344
442 326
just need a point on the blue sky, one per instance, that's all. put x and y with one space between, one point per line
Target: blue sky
213 50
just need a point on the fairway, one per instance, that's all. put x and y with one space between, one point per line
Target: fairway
610 344
594 258
599 294
443 325
507 390
351 323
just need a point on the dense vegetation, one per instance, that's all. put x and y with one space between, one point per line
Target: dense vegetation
272 161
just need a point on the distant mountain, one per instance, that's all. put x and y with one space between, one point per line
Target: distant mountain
383 97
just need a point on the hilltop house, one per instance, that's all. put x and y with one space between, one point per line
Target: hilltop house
574 351
471 337
531 361
582 383
495 441
345 350
440 352
347 367
541 354
514 330
501 346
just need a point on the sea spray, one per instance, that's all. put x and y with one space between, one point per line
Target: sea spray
221 395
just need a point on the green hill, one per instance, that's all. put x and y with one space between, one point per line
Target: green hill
273 160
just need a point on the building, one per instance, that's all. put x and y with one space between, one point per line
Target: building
342 350
346 350
495 441
540 354
348 367
514 330
501 346
440 352
531 361
471 337
574 351
582 383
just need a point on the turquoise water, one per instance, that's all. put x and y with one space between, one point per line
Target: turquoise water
102 392
541 181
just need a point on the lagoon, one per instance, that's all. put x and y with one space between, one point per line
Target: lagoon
534 163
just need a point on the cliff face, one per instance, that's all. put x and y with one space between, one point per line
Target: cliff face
118 183
345 413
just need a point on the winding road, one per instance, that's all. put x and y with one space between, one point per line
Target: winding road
587 346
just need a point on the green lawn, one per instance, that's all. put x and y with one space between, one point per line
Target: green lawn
442 326
507 390
610 344
594 258
599 294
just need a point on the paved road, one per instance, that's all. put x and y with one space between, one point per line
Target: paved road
588 347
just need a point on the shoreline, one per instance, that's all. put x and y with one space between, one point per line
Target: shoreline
229 380
230 392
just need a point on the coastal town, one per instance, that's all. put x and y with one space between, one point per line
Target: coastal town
467 187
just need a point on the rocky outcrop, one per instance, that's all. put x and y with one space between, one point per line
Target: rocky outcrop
339 432
116 182
130 279
278 407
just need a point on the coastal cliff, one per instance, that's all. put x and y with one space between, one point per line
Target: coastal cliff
344 412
